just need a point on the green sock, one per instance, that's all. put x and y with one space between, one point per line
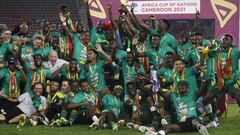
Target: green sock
73 116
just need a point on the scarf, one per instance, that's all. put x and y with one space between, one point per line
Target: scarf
176 80
13 85
36 78
37 101
224 68
72 78
66 47
144 60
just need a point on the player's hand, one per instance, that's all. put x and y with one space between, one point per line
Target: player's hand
132 7
197 14
109 5
19 66
88 103
200 49
135 40
98 47
62 17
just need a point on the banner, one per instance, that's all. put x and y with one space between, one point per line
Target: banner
166 7
224 12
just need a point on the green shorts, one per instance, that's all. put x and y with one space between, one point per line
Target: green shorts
231 89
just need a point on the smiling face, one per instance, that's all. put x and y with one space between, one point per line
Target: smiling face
118 92
169 59
12 64
182 88
131 90
179 66
84 86
227 41
53 57
100 27
80 27
7 34
54 41
155 40
45 26
197 40
54 86
38 89
37 43
38 60
65 87
86 36
24 28
73 65
91 55
184 37
129 59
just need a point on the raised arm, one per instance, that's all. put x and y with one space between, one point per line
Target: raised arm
196 24
23 75
109 5
63 20
100 50
139 21
90 23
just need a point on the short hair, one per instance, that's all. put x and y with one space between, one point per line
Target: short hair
179 59
22 34
38 38
182 83
197 34
130 83
155 35
51 52
167 23
44 21
35 55
37 83
94 51
6 29
228 35
73 59
83 81
55 80
169 53
65 79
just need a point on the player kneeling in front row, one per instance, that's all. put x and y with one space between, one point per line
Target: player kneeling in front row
83 102
185 105
112 109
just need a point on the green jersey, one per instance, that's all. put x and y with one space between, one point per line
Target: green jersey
158 56
187 74
10 81
234 56
36 75
129 73
83 97
97 37
165 74
95 76
185 106
5 48
80 51
112 104
167 39
66 73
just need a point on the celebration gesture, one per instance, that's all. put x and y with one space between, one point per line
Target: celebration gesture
62 17
109 5
197 14
98 47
